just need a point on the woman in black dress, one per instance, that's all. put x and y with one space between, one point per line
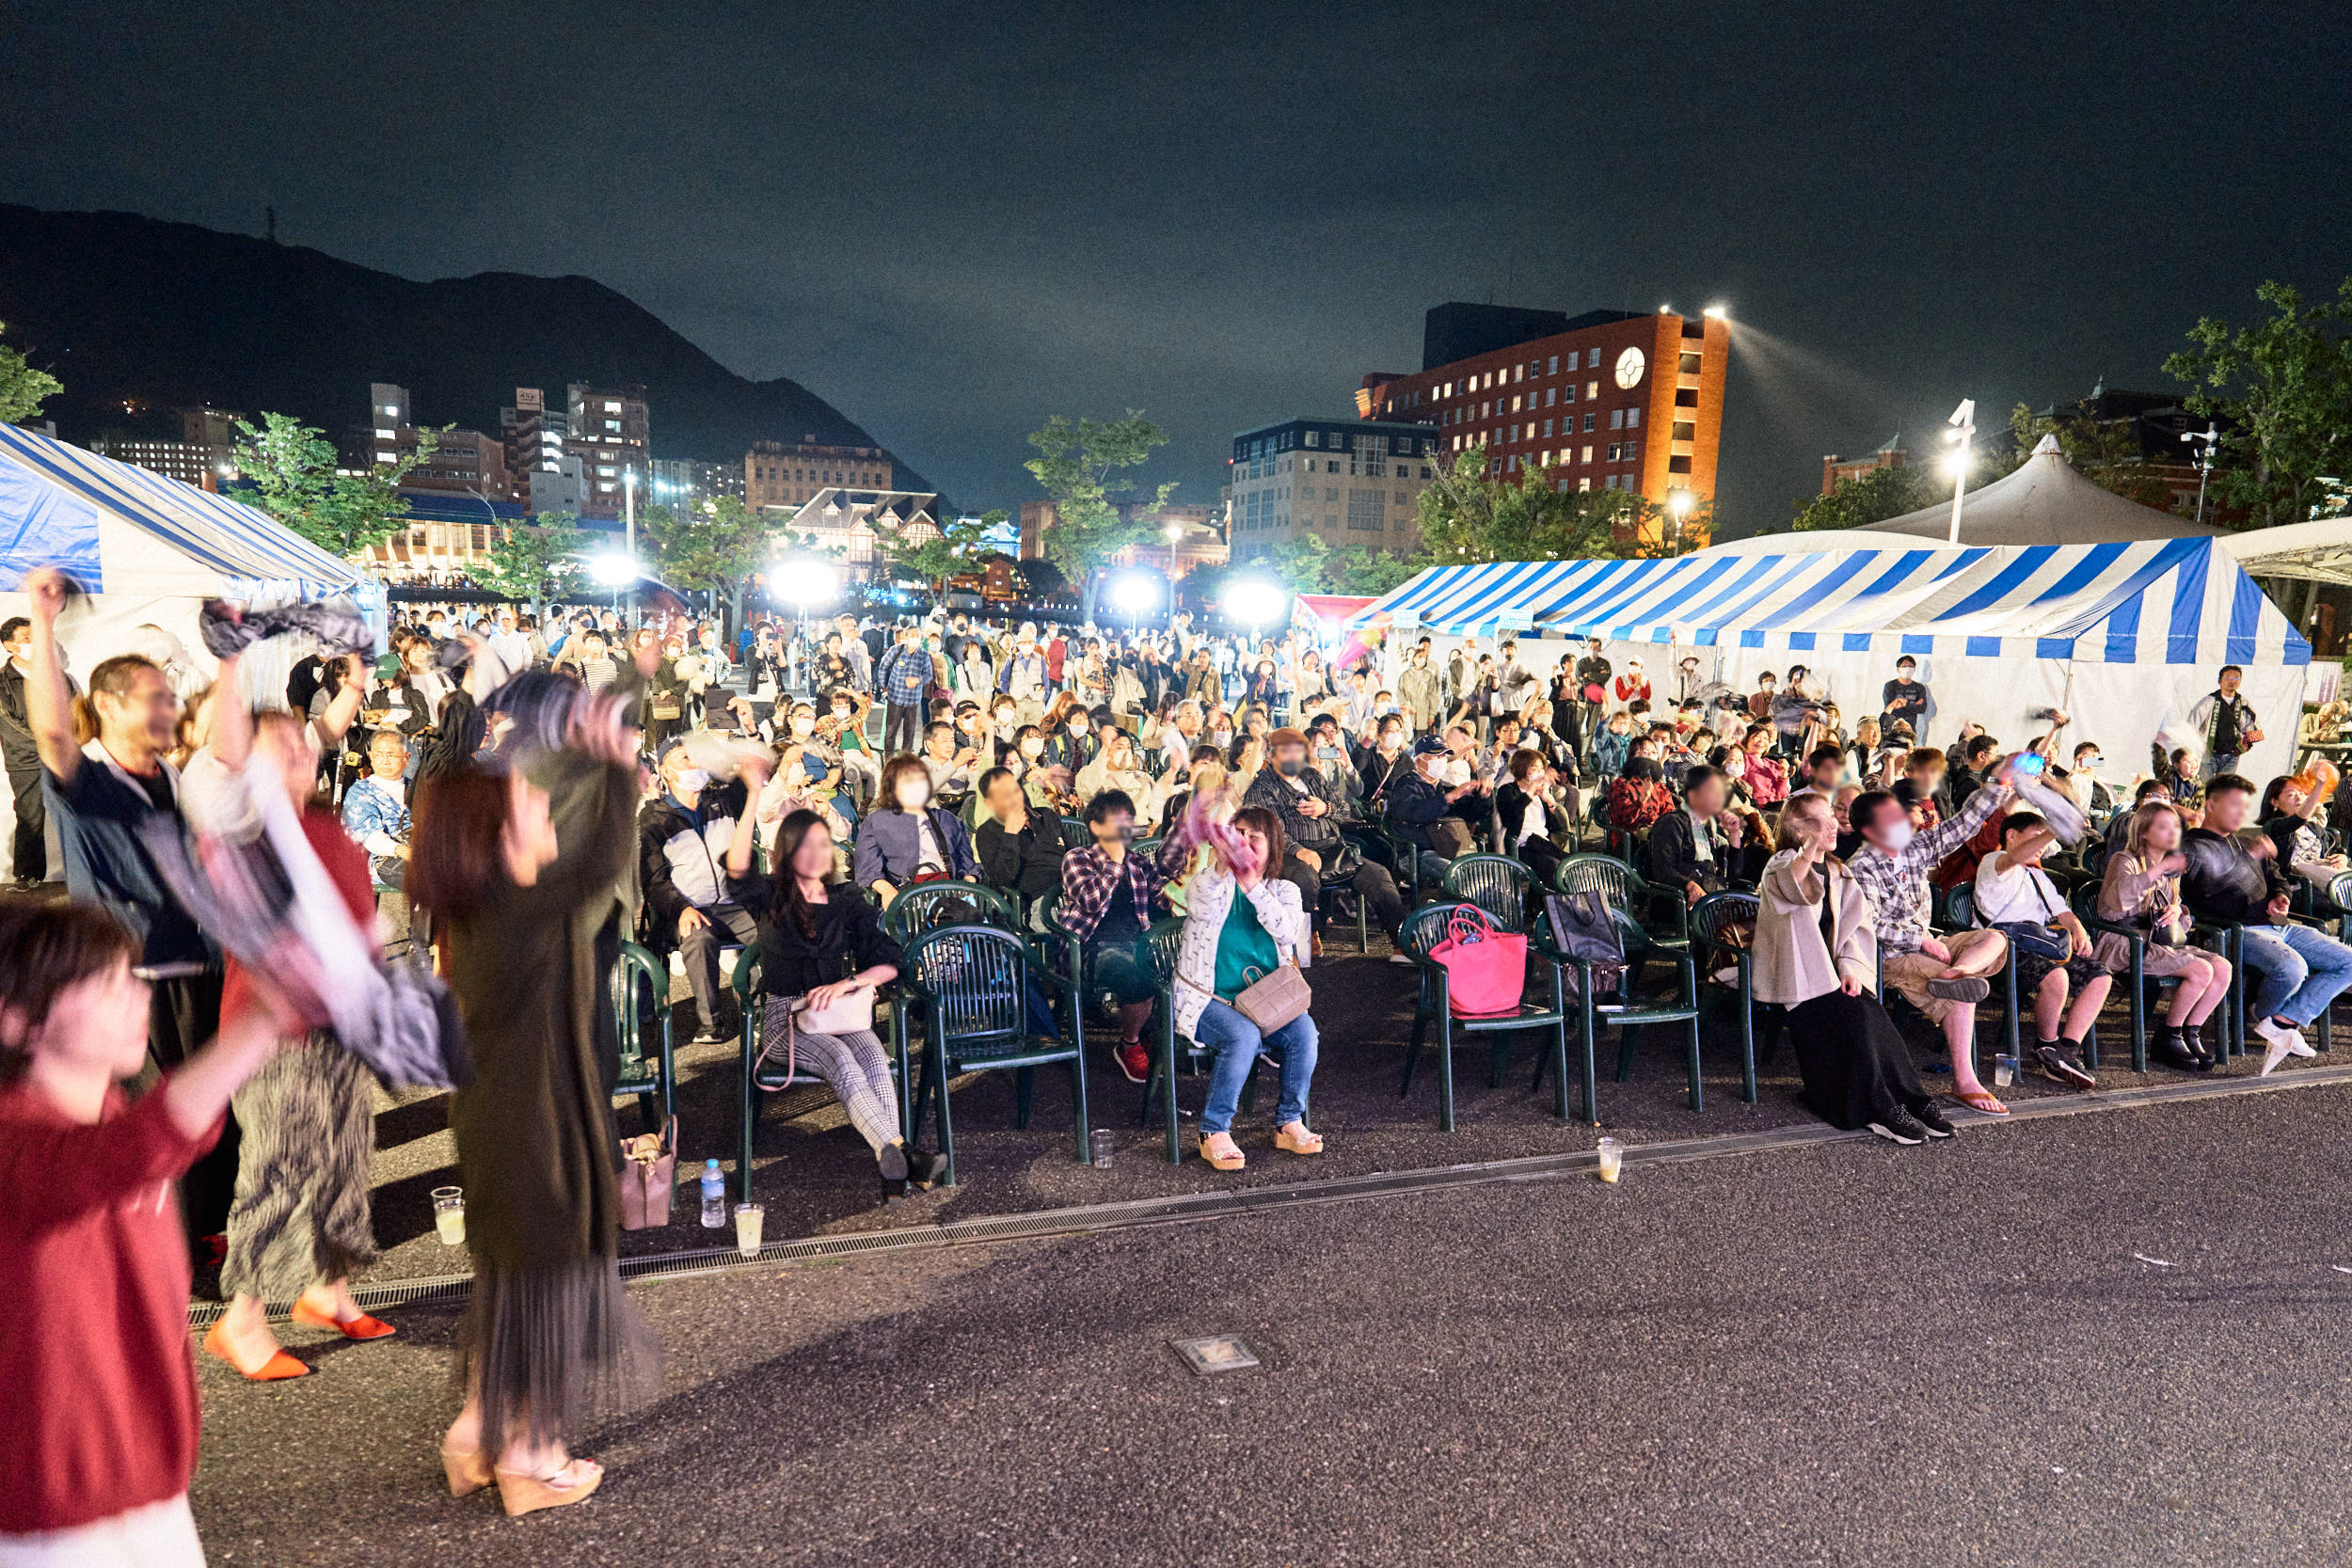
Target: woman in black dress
1817 954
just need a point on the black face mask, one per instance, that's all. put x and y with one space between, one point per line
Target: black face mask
1290 768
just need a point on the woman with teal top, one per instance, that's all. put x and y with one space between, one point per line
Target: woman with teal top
1239 924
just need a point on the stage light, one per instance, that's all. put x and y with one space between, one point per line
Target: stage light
1136 592
1256 601
1716 312
806 582
613 570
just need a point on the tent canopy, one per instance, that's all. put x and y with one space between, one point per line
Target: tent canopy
2173 601
119 529
2046 502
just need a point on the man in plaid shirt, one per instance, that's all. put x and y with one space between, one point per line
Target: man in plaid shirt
905 679
1943 978
1108 896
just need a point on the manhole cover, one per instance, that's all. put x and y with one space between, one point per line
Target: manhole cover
1216 1352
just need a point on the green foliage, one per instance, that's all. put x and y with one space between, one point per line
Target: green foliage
958 545
1360 569
713 547
1041 576
536 562
293 468
1470 515
1872 498
1083 465
2282 390
22 389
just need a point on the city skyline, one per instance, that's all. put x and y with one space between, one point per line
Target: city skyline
2007 207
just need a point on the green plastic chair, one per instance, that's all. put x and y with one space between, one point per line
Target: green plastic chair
917 908
1423 930
973 985
1630 1015
1503 887
1663 912
1711 920
1160 944
762 1078
2138 981
640 982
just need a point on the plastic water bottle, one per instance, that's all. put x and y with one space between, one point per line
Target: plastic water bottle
714 1196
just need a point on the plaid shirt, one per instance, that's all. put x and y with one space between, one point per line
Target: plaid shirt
1090 878
1897 885
906 674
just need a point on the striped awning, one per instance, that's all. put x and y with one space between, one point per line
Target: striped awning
2168 601
57 502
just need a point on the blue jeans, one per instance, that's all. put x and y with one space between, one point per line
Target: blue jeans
2298 971
1238 1042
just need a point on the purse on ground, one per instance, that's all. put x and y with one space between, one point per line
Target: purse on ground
649 1178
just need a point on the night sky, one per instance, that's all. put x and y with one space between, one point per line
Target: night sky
953 221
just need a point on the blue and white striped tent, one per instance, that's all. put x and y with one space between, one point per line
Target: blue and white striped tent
150 549
2135 630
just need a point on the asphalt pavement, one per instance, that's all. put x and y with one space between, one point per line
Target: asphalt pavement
2100 1338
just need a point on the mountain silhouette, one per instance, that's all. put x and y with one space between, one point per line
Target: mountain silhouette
130 310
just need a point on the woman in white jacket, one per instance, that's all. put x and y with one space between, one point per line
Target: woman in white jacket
1239 925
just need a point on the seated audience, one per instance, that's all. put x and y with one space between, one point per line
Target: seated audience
906 839
1699 849
2016 898
2142 888
1020 850
1107 899
1310 808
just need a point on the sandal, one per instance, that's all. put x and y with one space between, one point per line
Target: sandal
1218 1150
523 1493
1302 1142
467 1470
1981 1102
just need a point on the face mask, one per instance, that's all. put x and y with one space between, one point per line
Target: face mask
1390 741
804 724
1077 726
1898 837
691 780
1222 737
1290 768
914 795
1032 748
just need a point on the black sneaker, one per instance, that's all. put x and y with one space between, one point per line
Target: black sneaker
1900 1126
2059 1065
1928 1117
1964 988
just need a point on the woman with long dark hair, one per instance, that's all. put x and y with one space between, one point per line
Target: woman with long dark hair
819 943
518 863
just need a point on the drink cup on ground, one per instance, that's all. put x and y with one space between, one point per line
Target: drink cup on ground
448 1216
1611 1159
749 1221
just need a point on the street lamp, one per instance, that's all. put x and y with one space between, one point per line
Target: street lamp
1964 427
629 508
1678 504
1172 532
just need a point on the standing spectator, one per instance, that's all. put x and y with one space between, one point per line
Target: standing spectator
94 1277
904 677
1904 697
1591 684
375 810
1024 679
2227 723
28 859
1633 686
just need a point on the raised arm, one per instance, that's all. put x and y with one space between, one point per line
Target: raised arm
47 701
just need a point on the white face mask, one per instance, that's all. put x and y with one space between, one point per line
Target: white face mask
804 724
1032 748
1898 837
914 795
1077 726
691 780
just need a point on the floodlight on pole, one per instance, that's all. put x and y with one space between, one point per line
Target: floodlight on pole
805 582
1255 601
1963 430
2207 439
1716 314
613 570
1135 592
1678 504
629 508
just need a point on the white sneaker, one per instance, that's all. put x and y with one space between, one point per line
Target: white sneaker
2283 1044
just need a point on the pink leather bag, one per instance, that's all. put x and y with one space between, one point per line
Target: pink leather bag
1485 969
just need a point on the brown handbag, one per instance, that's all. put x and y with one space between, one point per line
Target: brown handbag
1273 1001
649 1177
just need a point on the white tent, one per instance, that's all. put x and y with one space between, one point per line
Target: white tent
2046 502
2125 635
149 551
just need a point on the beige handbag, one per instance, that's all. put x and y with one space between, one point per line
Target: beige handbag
847 1016
1273 1001
649 1177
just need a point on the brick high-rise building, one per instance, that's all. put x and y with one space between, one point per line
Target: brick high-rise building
1610 399
779 475
1894 454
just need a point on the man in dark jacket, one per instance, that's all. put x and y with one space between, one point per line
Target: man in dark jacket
1418 801
1310 808
682 839
1020 850
2295 971
1697 849
28 860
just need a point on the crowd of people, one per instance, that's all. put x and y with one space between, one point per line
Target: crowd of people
778 789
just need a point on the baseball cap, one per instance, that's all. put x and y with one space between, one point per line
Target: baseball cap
1430 746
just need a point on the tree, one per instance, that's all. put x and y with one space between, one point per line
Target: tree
1470 514
2281 392
1360 569
953 546
1082 464
22 389
1042 576
536 562
1857 502
713 548
2105 452
292 469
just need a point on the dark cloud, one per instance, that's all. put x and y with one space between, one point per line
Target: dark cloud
951 221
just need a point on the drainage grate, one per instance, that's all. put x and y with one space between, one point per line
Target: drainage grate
1131 1213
